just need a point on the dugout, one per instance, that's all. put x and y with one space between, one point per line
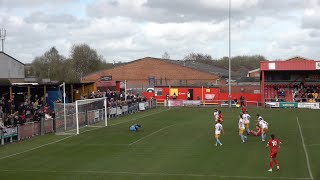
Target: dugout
295 80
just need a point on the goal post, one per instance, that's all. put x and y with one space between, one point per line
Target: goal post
80 114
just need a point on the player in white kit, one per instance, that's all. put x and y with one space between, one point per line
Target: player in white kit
218 129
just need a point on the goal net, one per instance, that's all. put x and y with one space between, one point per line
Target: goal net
71 117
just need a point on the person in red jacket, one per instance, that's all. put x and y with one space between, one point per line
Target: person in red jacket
220 117
274 145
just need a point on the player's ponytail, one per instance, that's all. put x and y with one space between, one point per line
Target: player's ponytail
272 136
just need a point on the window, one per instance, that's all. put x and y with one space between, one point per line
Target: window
158 91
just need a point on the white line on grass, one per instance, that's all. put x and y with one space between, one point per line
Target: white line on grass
139 117
91 144
34 148
11 155
149 174
305 149
149 135
313 145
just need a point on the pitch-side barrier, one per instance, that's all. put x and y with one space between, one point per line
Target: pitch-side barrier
45 126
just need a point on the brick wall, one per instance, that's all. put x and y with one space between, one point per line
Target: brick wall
254 74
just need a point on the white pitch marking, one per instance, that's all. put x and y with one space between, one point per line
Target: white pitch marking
42 145
150 174
140 117
150 135
11 155
313 145
93 145
34 148
305 149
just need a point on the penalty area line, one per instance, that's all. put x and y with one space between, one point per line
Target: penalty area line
149 174
149 135
305 150
147 115
47 144
15 154
309 145
69 136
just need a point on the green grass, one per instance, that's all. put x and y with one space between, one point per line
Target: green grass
172 144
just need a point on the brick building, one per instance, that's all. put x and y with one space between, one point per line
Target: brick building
254 73
148 71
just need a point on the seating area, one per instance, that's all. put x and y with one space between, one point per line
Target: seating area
276 92
292 92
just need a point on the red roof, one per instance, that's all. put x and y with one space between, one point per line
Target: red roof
292 64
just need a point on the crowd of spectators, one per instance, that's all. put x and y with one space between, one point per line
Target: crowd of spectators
33 108
13 113
301 92
280 93
305 93
116 98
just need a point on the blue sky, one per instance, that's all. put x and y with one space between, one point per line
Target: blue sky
125 30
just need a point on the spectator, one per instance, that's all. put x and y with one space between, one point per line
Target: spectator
1 113
235 100
7 121
1 123
241 101
174 96
17 120
189 96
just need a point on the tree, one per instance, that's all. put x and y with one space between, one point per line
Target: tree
165 55
197 57
48 65
85 60
240 64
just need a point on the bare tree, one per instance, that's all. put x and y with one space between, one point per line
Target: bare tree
165 55
197 57
49 65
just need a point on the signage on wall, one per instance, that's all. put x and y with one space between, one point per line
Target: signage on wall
209 96
317 65
106 78
271 65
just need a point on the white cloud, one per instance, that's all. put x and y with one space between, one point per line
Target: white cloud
131 29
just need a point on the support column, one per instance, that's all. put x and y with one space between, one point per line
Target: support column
71 92
262 89
202 95
45 93
83 89
10 95
29 91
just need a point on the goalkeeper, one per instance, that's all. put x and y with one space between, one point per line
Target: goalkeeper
135 127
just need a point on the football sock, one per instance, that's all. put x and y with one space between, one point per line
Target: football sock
270 165
262 137
218 141
242 138
276 162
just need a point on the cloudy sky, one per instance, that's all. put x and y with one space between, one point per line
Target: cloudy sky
125 30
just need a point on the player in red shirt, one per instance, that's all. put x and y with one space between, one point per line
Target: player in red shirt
257 132
274 145
220 117
243 109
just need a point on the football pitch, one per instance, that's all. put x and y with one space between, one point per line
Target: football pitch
175 143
